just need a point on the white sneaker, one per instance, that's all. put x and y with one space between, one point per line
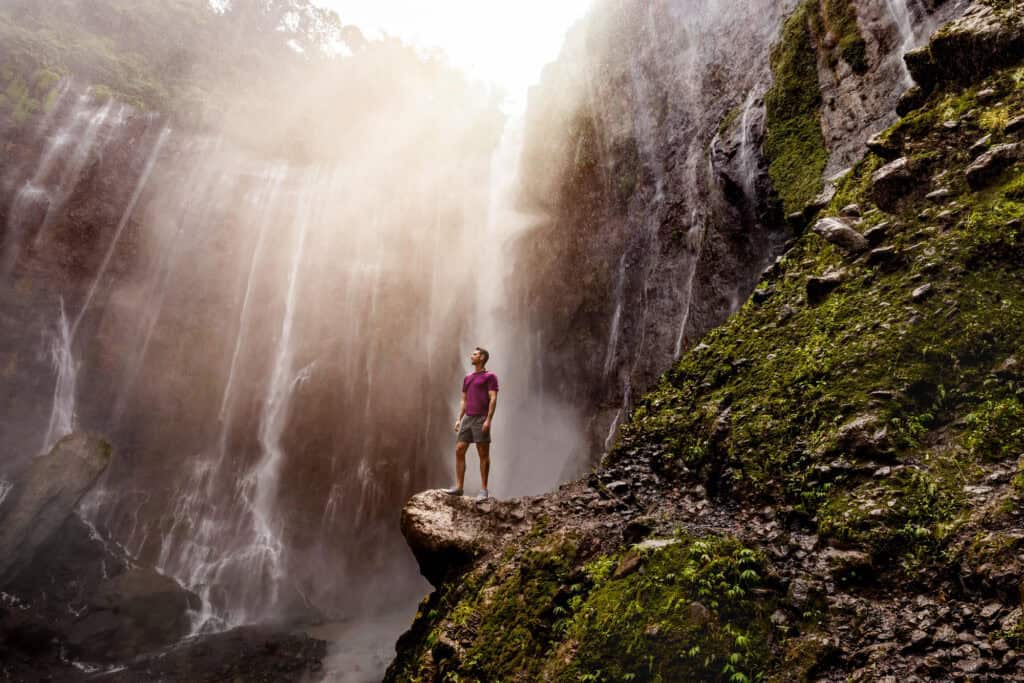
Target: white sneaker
453 491
483 495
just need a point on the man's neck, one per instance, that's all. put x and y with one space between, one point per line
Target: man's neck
479 368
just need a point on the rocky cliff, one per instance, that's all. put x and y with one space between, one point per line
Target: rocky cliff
829 486
664 147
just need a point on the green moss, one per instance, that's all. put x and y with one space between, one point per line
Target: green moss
792 375
730 118
689 615
794 144
841 20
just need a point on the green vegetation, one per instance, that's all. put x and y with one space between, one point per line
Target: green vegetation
793 375
841 20
794 145
690 615
686 610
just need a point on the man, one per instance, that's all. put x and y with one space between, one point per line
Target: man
479 398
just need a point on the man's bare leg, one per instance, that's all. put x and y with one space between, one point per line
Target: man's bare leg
484 451
460 463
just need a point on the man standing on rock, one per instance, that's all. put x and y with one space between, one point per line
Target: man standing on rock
479 398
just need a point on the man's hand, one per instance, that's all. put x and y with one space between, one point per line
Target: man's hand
458 423
487 426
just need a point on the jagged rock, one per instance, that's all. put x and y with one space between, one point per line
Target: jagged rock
628 564
447 532
761 294
883 146
1009 368
46 496
844 563
136 612
838 233
877 234
850 211
921 293
881 256
974 44
699 614
980 145
864 436
1014 125
890 183
989 165
820 201
818 288
987 95
939 194
910 100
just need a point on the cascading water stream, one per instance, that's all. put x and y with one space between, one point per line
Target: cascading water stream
129 211
86 140
62 416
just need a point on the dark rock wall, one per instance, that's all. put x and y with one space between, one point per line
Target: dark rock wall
644 151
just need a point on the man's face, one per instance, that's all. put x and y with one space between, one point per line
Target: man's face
476 357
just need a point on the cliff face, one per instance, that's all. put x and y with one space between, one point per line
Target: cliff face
829 486
646 149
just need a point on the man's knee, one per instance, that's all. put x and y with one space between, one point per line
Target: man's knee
460 448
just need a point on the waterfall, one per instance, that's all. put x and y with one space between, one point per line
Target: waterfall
903 21
62 415
535 434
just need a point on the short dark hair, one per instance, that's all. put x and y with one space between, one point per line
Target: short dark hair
485 353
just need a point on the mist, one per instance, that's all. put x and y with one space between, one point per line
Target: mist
266 301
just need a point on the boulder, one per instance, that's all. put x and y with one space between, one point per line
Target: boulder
913 98
882 256
989 165
891 183
983 39
820 201
980 145
921 293
845 564
882 145
818 288
864 436
1014 125
447 532
247 653
136 612
45 497
835 231
877 234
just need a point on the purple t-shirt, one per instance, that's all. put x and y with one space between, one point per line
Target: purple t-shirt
475 386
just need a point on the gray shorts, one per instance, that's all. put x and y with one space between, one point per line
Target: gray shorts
472 430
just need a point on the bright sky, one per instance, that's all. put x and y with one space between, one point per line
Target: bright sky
506 42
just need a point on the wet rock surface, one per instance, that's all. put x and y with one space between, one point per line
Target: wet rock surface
447 532
45 496
75 607
989 165
838 232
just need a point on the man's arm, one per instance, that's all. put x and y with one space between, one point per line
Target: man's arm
490 409
462 411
